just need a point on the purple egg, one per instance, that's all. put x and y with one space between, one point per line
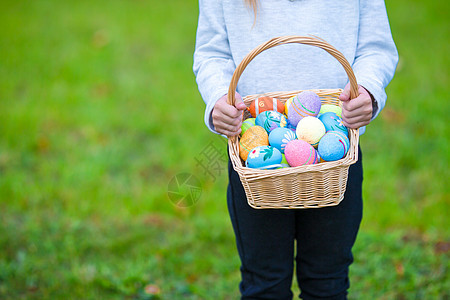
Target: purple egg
306 103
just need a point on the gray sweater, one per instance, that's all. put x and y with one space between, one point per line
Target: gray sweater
227 31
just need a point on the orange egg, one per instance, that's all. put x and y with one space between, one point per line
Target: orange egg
254 136
265 103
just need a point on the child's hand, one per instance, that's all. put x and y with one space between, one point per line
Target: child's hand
356 112
227 119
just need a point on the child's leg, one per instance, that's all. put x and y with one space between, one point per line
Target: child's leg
265 242
325 237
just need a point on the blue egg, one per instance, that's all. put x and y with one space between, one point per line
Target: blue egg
269 120
333 122
264 157
280 136
345 139
333 146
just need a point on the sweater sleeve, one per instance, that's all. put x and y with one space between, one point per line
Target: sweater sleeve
213 64
376 55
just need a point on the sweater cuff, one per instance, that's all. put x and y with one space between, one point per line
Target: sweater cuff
209 108
374 103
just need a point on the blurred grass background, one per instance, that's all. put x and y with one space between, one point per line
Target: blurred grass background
99 110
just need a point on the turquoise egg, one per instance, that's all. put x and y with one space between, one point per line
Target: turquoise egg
333 122
270 120
264 157
333 146
280 136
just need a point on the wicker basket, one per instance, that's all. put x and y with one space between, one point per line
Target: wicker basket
309 186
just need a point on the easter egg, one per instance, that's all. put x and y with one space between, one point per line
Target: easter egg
254 136
319 159
330 107
269 120
306 103
293 129
263 104
280 136
334 145
264 157
284 163
247 124
290 126
287 105
299 153
311 130
333 122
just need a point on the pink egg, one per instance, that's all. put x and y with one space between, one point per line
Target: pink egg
299 153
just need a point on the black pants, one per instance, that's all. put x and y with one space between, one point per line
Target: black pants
325 236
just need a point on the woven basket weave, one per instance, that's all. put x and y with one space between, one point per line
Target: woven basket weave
309 186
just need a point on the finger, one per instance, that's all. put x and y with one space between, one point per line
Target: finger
222 106
227 123
234 133
355 125
239 104
356 114
350 110
229 133
229 111
220 118
228 130
345 95
356 118
362 103
356 121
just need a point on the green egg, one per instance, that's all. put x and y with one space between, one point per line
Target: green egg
284 163
330 107
247 124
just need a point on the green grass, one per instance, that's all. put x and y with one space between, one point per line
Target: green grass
96 100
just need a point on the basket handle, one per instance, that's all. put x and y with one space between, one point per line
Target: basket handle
306 40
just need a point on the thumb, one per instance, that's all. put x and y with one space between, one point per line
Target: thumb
239 104
345 95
